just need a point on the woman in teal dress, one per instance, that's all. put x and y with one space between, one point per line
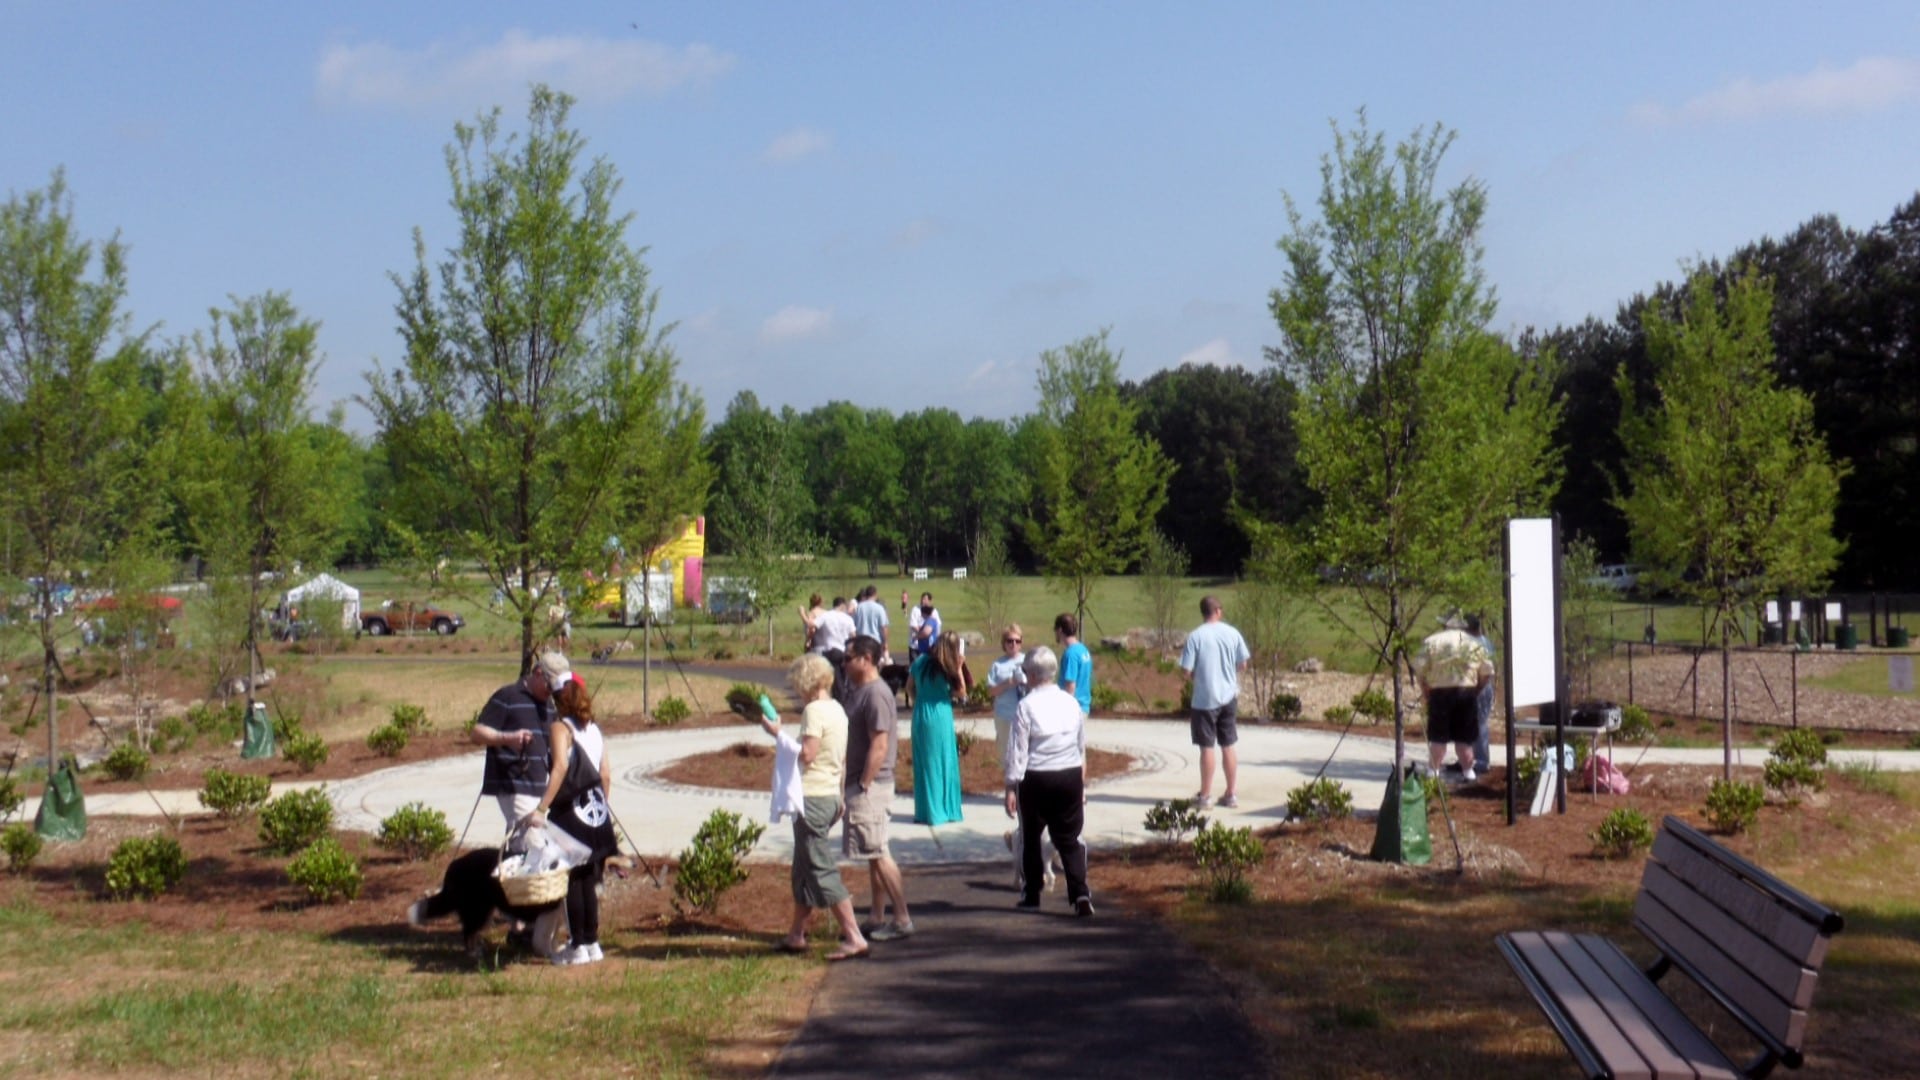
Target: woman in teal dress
938 677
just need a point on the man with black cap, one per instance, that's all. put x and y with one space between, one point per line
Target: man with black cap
1452 666
513 728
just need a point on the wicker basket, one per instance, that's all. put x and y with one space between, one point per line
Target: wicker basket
532 890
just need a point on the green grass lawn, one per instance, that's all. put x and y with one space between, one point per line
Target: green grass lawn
1867 675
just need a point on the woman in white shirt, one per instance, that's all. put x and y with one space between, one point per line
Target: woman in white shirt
1047 780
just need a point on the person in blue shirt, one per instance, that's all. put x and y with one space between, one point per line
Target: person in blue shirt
1213 658
1076 662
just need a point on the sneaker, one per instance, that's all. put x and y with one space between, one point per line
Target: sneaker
1469 776
1083 907
1202 802
893 931
1452 767
594 955
1027 903
570 956
1047 885
1228 802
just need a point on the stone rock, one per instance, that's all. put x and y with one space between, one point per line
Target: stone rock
1310 666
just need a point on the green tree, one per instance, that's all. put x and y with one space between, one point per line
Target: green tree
1163 576
265 485
1099 482
1730 489
761 505
854 469
78 482
533 368
1420 431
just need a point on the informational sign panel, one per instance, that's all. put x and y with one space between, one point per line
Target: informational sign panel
1773 613
1900 674
1531 640
1793 610
1833 612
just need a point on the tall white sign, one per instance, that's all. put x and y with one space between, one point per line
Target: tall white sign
1531 641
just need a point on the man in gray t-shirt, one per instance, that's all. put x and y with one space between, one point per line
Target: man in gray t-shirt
872 751
1213 658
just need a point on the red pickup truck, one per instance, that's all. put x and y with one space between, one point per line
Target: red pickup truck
398 615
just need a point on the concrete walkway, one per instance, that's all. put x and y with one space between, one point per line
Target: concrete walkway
662 816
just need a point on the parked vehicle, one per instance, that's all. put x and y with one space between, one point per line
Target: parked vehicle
730 600
1615 577
641 609
397 615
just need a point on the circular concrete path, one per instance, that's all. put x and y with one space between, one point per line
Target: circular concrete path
662 817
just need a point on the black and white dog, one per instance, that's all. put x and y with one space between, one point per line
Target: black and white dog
471 891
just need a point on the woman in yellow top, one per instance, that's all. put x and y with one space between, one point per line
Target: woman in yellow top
823 751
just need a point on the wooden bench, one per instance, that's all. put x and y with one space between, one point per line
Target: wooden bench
1753 943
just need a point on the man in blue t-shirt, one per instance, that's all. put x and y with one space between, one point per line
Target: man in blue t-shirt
870 617
1213 658
1076 662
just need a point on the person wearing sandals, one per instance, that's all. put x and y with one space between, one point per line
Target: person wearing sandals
1046 770
823 753
1213 657
939 675
576 801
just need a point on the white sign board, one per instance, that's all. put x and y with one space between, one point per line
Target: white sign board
1793 610
959 573
1773 613
1900 674
1833 612
919 573
1530 614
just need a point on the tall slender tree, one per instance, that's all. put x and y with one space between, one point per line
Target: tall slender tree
533 367
1420 431
75 479
1099 481
265 489
1729 489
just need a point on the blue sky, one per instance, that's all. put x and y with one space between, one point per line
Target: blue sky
903 204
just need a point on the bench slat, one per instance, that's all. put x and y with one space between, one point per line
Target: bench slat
1682 1035
1788 928
1827 920
1680 909
1627 1023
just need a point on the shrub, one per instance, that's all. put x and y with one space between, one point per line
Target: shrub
1797 764
326 871
981 698
286 725
411 719
744 698
966 738
307 751
1186 696
1434 790
416 831
387 740
10 797
1339 714
1107 698
1320 800
671 711
296 819
1374 705
233 795
1733 806
171 734
1635 725
127 762
145 866
719 650
1284 708
21 845
1621 833
712 865
1225 857
1172 821
221 721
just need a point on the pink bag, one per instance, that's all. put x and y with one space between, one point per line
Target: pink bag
1600 775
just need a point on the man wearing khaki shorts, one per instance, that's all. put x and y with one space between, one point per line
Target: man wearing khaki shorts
872 751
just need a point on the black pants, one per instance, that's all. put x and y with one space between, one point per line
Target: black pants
583 903
1057 801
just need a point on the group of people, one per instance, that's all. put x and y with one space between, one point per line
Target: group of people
546 759
546 762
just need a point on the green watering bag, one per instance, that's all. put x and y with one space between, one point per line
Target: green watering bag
63 811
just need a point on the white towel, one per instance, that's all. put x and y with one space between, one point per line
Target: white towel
786 778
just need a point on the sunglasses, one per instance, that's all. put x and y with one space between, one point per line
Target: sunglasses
1009 641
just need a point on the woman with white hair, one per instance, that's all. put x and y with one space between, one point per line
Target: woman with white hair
1047 780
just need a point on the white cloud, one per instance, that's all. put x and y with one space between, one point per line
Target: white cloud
796 323
1216 353
799 143
592 69
1873 82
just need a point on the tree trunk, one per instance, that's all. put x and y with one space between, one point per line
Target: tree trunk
1726 706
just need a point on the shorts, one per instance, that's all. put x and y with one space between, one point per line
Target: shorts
865 834
513 809
1453 714
1216 727
816 877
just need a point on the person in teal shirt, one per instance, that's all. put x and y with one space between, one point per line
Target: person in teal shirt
1076 662
939 676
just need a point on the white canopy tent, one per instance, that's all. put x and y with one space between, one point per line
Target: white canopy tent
328 587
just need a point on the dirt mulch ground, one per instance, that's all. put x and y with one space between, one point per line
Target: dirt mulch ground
748 766
1764 689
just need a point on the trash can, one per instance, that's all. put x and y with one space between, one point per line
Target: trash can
1896 637
1846 636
